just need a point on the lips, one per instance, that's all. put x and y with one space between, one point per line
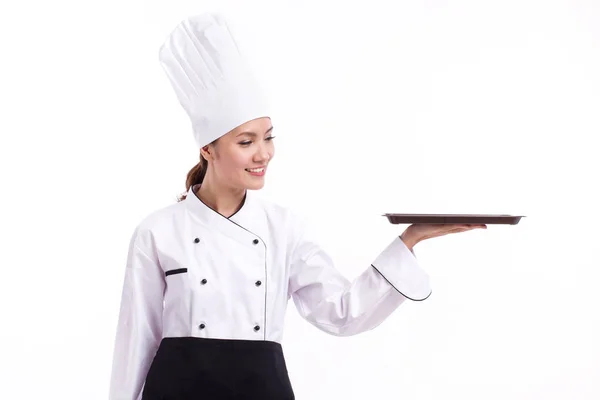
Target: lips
256 170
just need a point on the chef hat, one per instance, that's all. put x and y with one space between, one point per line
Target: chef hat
211 79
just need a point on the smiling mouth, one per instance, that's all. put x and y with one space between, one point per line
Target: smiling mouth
255 170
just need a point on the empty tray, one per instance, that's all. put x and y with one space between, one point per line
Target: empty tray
453 218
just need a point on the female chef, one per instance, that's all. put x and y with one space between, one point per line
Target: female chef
208 278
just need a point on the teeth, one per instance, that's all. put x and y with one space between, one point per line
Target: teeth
256 170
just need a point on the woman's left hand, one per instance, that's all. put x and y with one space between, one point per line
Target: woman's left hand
416 233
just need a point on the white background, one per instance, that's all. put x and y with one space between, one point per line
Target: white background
380 106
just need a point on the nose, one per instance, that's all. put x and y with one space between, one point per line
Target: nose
264 154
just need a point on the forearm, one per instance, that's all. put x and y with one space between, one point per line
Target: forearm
325 298
409 240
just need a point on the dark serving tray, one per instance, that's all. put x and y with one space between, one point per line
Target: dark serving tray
504 219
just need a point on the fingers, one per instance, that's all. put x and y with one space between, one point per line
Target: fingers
457 230
463 228
471 226
428 231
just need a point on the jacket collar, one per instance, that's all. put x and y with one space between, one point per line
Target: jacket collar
244 226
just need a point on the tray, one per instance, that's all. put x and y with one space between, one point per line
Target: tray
503 219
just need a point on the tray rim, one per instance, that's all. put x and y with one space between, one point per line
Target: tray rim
450 215
445 219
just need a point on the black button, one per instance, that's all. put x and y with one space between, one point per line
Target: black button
202 326
196 240
257 328
255 241
258 283
203 281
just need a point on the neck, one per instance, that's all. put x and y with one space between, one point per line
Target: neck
224 200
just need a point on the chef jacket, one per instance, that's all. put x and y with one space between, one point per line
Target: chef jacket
192 272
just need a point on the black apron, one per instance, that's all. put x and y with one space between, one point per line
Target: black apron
191 368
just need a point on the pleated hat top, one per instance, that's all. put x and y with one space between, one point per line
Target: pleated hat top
213 82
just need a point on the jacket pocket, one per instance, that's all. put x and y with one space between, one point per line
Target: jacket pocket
177 284
176 271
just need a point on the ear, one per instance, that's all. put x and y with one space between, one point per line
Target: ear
206 152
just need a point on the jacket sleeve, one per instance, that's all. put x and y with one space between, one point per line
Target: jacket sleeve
139 328
332 303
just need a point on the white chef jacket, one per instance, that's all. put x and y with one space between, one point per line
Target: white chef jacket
193 272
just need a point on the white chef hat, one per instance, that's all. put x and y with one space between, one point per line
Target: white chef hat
213 82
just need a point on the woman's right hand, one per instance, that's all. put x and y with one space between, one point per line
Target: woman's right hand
416 233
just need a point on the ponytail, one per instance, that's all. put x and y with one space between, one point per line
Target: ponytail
195 175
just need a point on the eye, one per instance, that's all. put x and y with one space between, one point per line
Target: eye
248 142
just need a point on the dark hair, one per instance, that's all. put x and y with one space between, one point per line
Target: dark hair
195 175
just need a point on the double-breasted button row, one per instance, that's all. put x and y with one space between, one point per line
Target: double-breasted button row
205 281
255 241
202 326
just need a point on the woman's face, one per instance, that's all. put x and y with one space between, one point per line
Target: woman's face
249 146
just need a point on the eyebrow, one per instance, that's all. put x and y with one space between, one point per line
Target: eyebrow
253 133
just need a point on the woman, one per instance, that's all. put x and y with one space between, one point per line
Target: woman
208 278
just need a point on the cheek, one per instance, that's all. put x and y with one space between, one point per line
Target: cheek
239 162
230 165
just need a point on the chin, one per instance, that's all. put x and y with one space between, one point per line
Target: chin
256 185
